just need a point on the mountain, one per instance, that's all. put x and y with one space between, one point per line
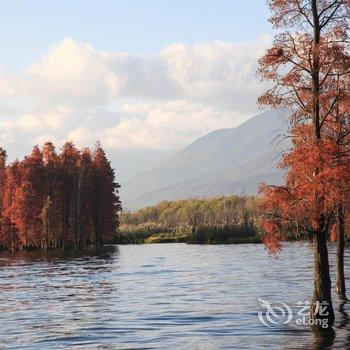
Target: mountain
131 162
223 162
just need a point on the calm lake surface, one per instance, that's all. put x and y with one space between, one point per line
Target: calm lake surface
161 296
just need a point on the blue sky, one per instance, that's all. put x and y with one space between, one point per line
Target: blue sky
28 28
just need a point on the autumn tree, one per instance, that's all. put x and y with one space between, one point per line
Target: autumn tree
53 184
9 234
85 199
306 65
24 199
58 201
12 181
70 175
106 202
338 129
342 214
29 197
3 157
49 222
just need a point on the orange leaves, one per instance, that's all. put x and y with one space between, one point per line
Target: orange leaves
9 236
81 188
315 186
316 173
273 243
308 66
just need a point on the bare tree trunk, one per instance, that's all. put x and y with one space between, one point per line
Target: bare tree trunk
47 236
321 306
65 223
81 195
96 222
340 280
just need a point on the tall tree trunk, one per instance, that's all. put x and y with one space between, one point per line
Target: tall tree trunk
74 217
81 223
65 222
316 73
96 221
321 305
97 211
47 236
340 281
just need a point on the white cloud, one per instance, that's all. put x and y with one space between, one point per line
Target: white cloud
81 136
219 73
72 74
168 126
161 101
28 122
7 85
55 120
142 77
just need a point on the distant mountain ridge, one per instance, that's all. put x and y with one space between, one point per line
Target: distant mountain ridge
223 162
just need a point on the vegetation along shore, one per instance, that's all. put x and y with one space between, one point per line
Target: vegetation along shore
221 220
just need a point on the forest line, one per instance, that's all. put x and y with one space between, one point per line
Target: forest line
50 200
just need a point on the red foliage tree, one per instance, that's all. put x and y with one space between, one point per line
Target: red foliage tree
57 201
3 157
70 174
308 65
9 235
85 199
53 184
106 201
29 197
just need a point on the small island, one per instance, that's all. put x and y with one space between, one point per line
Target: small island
50 200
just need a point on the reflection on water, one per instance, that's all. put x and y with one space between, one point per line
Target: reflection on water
323 340
103 253
158 296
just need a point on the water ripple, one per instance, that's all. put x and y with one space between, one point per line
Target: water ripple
155 297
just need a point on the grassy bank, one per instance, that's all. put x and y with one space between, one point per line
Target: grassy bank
225 234
148 233
222 220
140 234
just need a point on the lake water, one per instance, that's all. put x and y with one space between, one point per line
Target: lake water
161 296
